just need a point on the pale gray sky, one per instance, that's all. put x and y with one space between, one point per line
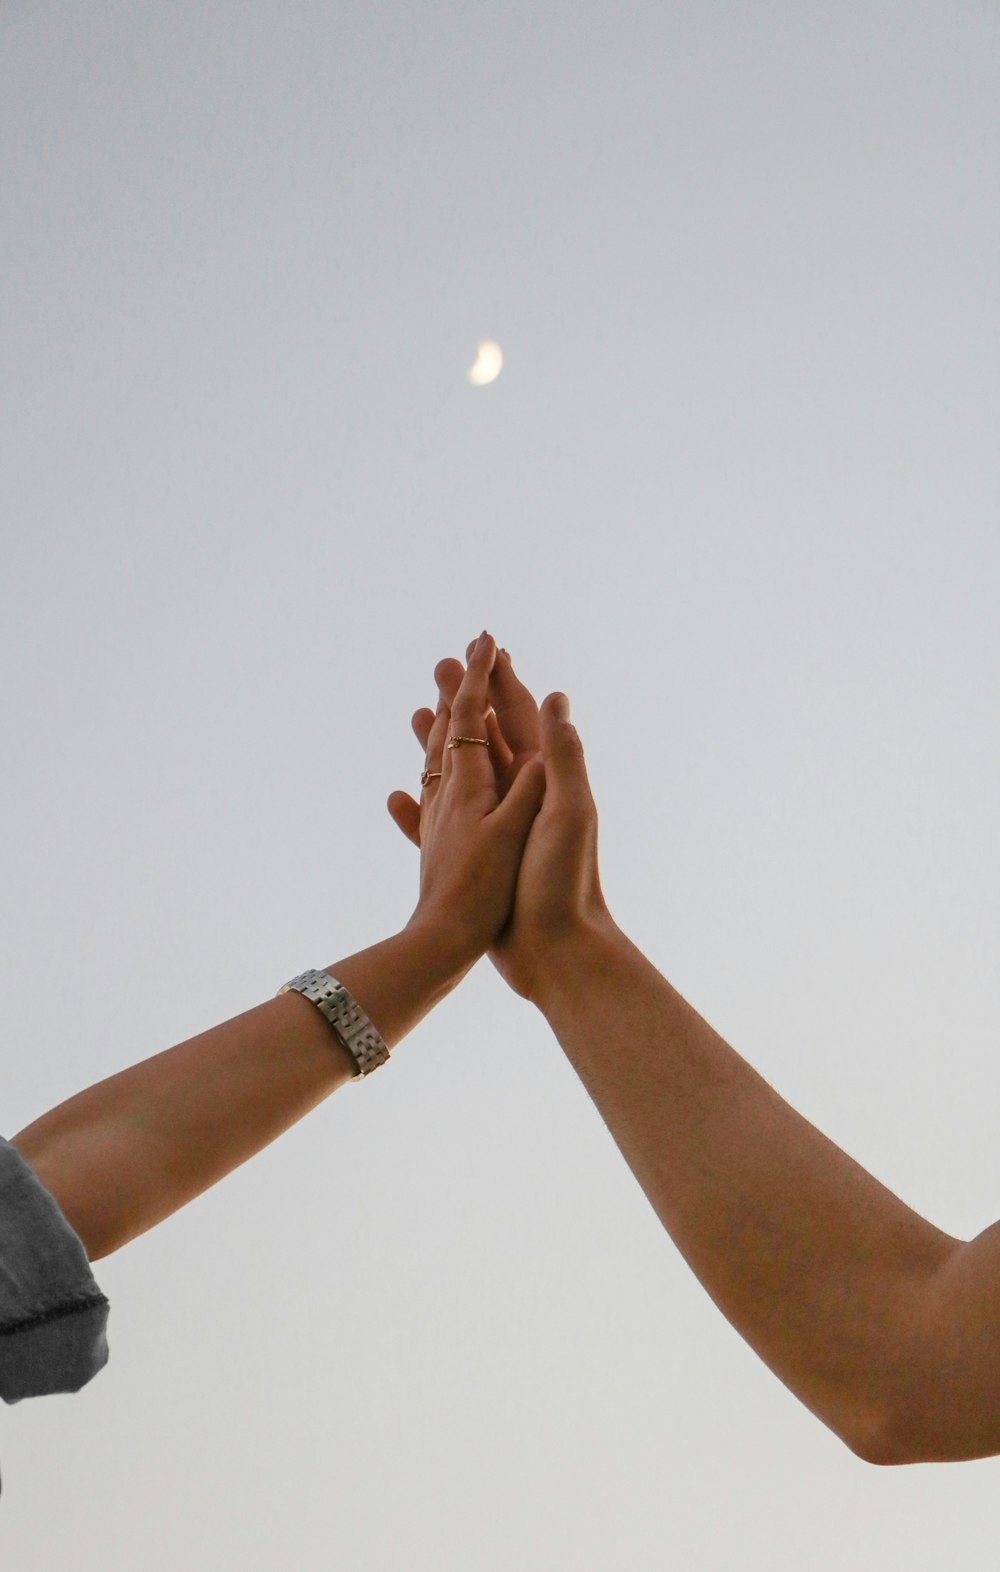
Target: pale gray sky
735 491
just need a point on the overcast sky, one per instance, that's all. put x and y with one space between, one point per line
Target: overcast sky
735 491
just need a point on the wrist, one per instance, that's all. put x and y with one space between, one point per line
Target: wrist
398 981
447 953
446 957
582 951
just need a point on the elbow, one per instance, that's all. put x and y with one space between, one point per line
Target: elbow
905 1434
883 1434
883 1446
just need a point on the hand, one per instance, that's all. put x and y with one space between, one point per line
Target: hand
558 895
470 840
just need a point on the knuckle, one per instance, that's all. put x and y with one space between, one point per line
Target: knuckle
465 709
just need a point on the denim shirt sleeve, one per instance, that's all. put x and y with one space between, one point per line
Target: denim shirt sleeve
53 1316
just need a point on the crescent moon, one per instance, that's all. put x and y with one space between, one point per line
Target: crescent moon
487 365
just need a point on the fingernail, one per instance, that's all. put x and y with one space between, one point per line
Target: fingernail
482 639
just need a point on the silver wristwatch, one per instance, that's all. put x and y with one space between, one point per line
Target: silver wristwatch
345 1015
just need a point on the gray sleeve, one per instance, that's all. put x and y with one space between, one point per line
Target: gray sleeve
53 1316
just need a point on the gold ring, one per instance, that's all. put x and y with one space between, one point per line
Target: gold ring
456 742
428 775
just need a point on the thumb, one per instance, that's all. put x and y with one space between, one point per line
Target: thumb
516 813
562 750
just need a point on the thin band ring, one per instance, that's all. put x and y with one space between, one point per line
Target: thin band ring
453 742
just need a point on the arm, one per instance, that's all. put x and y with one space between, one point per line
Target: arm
127 1152
885 1327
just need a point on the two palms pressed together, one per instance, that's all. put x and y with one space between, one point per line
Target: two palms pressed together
558 892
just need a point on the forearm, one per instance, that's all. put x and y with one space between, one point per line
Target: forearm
815 1263
124 1154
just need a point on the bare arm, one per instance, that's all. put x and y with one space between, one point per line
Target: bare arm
127 1152
130 1150
885 1327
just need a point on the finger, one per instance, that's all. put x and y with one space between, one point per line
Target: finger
422 722
516 814
434 742
515 707
562 750
499 751
423 729
404 811
431 727
470 762
450 676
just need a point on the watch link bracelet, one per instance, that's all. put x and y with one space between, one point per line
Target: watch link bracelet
349 1021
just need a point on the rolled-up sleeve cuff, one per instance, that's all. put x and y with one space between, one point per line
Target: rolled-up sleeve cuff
53 1315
